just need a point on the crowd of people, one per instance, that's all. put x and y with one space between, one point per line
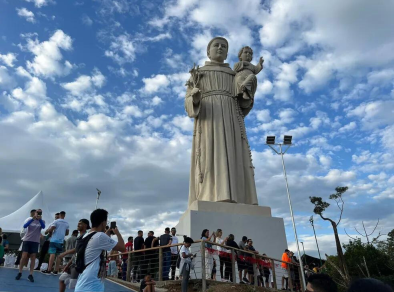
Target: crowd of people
90 254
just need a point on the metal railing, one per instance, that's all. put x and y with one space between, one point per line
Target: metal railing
231 265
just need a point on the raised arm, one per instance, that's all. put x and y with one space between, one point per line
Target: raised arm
259 66
28 223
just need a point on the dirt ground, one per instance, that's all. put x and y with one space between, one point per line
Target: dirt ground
195 286
215 287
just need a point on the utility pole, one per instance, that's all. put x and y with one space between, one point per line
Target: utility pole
314 232
287 142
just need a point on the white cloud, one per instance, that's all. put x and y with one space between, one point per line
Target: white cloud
48 57
374 114
263 115
85 83
28 15
184 123
86 20
40 3
381 78
122 49
8 59
283 81
349 127
155 83
33 95
156 38
6 80
133 110
156 101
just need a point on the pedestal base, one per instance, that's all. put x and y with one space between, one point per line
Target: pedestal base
268 233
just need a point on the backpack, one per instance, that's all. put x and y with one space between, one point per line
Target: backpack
178 260
80 252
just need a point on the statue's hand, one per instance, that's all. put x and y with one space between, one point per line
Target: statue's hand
195 91
196 95
261 61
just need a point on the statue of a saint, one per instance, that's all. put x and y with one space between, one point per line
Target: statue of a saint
221 165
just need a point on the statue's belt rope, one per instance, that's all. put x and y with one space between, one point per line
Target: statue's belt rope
217 92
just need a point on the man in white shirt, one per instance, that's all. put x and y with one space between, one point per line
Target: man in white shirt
174 253
91 278
59 229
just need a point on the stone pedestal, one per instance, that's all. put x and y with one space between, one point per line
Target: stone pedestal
256 222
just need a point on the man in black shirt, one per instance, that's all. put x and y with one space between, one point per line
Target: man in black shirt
151 259
138 258
166 240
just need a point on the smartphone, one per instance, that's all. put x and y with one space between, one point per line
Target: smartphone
113 225
39 213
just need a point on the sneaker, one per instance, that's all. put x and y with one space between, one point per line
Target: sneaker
18 276
37 269
46 272
31 279
54 273
245 280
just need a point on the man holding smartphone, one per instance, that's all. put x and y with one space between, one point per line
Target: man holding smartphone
31 241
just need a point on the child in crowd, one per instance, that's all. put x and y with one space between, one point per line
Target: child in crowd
147 284
213 275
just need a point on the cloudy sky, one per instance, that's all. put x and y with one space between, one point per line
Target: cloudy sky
91 95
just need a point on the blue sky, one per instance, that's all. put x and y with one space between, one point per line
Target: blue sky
92 96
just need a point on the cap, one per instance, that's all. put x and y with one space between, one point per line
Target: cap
86 221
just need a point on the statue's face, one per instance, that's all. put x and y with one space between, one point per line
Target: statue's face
218 51
247 55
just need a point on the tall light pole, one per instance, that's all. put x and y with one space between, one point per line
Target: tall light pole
314 232
287 142
98 197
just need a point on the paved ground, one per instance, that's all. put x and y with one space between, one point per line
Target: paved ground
42 283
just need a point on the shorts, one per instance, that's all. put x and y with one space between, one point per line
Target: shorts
241 264
285 272
112 269
66 278
55 248
250 268
30 247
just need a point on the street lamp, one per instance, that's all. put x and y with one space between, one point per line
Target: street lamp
314 232
98 196
287 142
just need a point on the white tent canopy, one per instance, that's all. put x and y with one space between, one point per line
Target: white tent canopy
14 222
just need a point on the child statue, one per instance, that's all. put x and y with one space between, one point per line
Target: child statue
245 78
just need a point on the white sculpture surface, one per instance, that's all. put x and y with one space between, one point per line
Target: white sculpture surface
218 99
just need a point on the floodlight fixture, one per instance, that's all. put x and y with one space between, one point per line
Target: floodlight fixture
287 140
270 140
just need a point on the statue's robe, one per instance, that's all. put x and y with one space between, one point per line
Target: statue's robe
221 163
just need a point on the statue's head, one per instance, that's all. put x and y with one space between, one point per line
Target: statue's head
245 54
217 49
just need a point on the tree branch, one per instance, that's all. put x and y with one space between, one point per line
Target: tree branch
343 276
366 235
375 228
358 232
349 235
340 208
327 219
